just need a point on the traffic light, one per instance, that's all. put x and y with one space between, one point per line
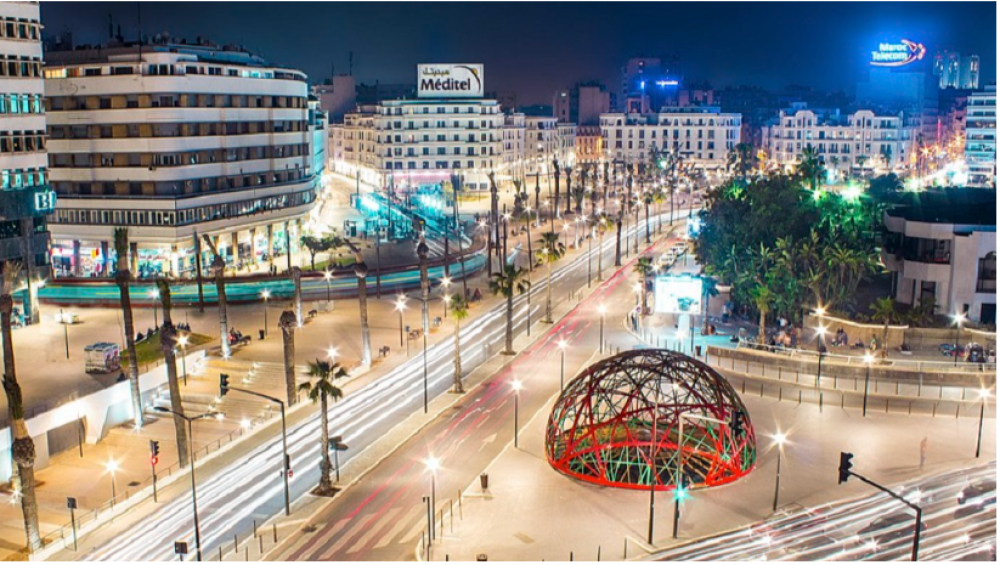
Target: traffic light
154 451
845 467
223 384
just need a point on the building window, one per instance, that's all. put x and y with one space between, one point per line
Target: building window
987 280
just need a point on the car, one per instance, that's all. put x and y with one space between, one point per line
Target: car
979 494
886 530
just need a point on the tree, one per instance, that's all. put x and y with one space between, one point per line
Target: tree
459 312
762 297
618 240
601 221
325 374
552 250
884 309
809 168
22 447
506 282
708 289
288 323
218 272
555 170
122 278
168 345
313 245
361 272
644 268
425 283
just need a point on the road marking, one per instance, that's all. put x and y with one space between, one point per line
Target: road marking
401 523
374 529
342 540
489 439
416 529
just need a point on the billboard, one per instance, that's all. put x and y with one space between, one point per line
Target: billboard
450 81
675 294
898 54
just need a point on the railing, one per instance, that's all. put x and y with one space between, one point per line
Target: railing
858 361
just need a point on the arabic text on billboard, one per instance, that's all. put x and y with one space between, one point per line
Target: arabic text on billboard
677 295
450 81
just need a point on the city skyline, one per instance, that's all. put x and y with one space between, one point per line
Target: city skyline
735 50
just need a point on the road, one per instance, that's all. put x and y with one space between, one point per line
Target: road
833 532
250 489
383 517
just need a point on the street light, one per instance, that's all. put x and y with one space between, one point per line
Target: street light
194 491
820 348
516 385
112 466
868 374
327 275
984 395
445 283
400 306
265 294
433 464
602 309
183 341
332 353
155 295
958 319
779 441
562 363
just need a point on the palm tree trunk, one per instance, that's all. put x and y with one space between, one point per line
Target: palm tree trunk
600 254
22 448
548 293
509 337
762 336
325 484
288 324
133 366
618 242
457 378
168 337
885 340
220 289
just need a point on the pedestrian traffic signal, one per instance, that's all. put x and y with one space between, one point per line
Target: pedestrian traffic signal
845 467
223 384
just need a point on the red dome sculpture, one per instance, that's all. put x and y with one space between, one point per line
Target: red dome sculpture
601 427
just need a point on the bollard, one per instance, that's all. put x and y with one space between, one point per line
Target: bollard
779 372
841 401
246 553
261 540
236 544
220 553
598 553
744 386
625 551
274 527
957 406
779 393
571 556
451 513
821 402
460 513
255 528
762 390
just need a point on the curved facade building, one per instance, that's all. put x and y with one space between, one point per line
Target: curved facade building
174 141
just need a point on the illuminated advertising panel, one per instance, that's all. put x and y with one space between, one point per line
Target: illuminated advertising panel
450 81
677 295
898 54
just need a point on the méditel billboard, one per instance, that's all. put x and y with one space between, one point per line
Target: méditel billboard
677 295
450 81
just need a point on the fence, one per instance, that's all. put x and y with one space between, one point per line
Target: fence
858 361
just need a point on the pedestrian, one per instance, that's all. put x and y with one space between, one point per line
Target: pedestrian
923 451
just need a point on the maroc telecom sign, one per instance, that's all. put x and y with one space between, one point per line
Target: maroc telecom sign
450 81
898 54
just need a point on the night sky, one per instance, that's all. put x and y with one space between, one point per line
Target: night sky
536 48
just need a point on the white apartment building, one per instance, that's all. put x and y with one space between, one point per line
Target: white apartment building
703 135
175 141
425 141
843 141
25 197
981 136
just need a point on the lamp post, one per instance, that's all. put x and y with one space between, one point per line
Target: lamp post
433 465
265 294
183 341
562 363
327 275
112 466
154 295
400 306
984 395
194 491
446 298
516 385
603 310
868 375
779 441
820 348
958 319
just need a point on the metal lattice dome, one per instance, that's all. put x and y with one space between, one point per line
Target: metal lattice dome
601 427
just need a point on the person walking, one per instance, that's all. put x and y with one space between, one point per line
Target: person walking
923 452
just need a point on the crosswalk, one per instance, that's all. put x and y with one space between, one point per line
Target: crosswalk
359 531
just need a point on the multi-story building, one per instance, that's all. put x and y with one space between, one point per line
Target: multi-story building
589 144
981 136
647 86
337 96
25 197
582 105
943 246
176 141
703 135
862 140
955 70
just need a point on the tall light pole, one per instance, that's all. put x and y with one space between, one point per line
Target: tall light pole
603 310
516 385
265 294
984 395
868 375
433 465
194 489
400 306
958 319
183 341
779 441
112 466
446 298
327 275
562 363
820 348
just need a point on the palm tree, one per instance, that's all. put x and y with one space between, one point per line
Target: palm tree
320 390
708 289
122 278
494 219
288 323
809 167
884 309
555 170
459 312
602 226
168 345
361 272
219 271
425 283
509 280
22 448
644 268
618 241
648 198
552 250
296 274
762 298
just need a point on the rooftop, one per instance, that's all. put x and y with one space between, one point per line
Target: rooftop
963 206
